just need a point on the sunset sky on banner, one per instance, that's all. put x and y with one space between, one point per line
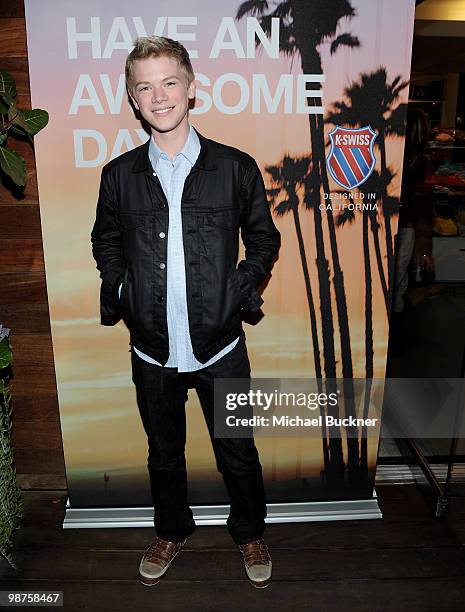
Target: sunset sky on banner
99 415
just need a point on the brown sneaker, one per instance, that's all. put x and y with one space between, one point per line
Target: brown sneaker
157 559
257 562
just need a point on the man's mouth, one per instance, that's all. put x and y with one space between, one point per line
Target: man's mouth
163 111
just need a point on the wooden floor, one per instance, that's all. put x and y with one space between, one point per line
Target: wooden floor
408 560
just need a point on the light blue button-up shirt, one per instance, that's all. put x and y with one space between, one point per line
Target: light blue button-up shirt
172 176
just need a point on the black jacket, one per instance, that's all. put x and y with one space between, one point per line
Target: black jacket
223 192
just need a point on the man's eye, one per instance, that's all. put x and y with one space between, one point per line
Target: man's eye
143 88
171 83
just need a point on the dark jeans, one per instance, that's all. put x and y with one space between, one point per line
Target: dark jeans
161 396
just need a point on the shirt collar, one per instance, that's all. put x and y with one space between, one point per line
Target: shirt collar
190 150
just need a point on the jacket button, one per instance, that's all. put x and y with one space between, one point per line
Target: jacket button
162 205
162 266
160 299
162 234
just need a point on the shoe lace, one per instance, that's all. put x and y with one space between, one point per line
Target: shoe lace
256 552
160 549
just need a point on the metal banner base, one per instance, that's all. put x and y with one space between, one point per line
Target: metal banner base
289 512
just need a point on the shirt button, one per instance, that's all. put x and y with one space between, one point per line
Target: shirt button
162 234
162 266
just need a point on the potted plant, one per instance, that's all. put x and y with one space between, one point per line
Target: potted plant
18 122
11 505
21 124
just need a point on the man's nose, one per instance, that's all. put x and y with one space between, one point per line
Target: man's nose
158 94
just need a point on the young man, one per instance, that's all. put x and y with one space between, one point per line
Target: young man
166 244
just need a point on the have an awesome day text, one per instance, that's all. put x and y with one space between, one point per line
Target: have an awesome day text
230 93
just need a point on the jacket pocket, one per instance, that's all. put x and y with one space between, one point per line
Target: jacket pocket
124 297
236 286
135 233
130 221
226 219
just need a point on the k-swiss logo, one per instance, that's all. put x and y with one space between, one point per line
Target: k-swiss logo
351 159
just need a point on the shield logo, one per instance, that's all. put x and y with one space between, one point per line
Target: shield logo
351 159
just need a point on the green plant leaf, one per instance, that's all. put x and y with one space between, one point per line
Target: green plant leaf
35 119
6 100
5 353
7 84
17 131
13 165
3 138
16 116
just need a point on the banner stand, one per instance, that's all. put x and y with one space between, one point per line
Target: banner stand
295 512
278 82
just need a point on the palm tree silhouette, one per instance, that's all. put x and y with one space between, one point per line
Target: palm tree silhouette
348 216
377 184
373 101
304 27
287 180
374 184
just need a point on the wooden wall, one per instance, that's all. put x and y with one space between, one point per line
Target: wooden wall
23 294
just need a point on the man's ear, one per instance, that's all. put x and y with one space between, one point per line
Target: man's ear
191 91
133 100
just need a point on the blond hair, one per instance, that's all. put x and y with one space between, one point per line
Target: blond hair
158 46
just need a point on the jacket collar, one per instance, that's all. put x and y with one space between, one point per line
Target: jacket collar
205 161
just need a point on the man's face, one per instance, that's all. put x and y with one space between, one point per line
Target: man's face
161 94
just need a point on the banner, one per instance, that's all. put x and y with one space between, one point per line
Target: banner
316 92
